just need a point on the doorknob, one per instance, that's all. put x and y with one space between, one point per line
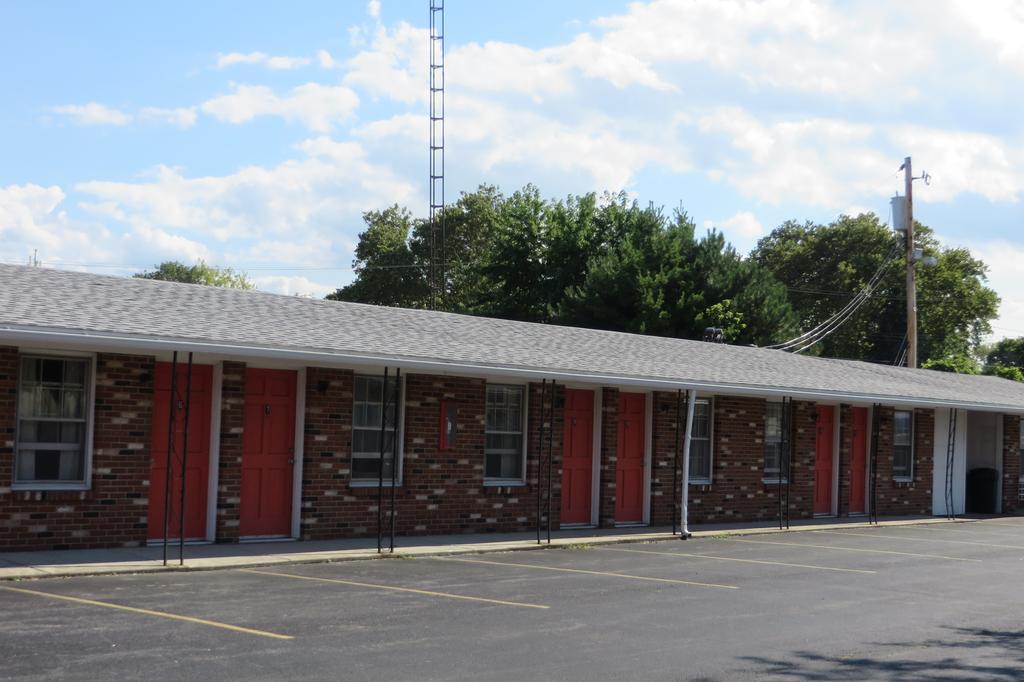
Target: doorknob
291 460
266 409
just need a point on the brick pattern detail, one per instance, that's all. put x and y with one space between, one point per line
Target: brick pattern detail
738 491
229 468
609 457
845 454
895 498
442 491
666 468
114 511
1011 463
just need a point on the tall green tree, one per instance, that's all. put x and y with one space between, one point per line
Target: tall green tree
388 272
655 277
200 273
1006 359
825 266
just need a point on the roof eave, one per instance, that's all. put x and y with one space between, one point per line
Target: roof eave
150 344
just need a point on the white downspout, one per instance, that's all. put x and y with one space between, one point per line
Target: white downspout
691 399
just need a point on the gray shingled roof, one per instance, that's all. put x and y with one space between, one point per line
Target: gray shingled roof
148 314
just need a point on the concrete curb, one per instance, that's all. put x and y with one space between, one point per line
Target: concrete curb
43 571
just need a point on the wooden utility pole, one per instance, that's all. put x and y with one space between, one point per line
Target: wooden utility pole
908 176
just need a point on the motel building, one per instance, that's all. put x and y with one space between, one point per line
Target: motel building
300 411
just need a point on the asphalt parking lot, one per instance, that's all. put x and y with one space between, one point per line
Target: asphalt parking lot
908 602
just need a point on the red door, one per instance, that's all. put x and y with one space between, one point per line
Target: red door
197 474
577 456
629 470
823 462
268 452
859 460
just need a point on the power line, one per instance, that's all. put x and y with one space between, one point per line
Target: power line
824 329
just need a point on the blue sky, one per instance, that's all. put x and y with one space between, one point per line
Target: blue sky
253 135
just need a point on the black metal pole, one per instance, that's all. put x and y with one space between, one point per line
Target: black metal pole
551 436
395 448
540 449
184 464
675 464
380 464
168 471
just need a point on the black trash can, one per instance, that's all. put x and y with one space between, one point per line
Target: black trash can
982 485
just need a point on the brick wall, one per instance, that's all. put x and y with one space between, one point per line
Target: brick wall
229 468
898 498
738 491
665 469
113 511
1011 463
609 458
442 491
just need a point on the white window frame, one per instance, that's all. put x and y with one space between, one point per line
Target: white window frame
707 480
775 476
399 436
524 435
90 422
909 476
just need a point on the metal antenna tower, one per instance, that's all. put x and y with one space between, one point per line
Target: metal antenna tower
437 275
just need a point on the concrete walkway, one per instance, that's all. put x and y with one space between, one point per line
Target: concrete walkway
47 564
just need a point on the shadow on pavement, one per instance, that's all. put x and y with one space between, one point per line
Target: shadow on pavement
968 653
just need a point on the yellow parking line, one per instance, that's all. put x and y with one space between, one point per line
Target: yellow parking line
913 539
393 588
854 549
586 572
745 561
149 612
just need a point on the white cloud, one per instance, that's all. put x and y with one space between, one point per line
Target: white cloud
93 113
744 224
31 219
314 202
998 24
1004 260
742 229
833 162
611 152
183 117
395 64
373 8
797 45
318 107
276 63
295 285
962 162
326 60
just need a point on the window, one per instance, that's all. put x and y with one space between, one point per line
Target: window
775 466
700 443
504 456
53 422
369 406
902 444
